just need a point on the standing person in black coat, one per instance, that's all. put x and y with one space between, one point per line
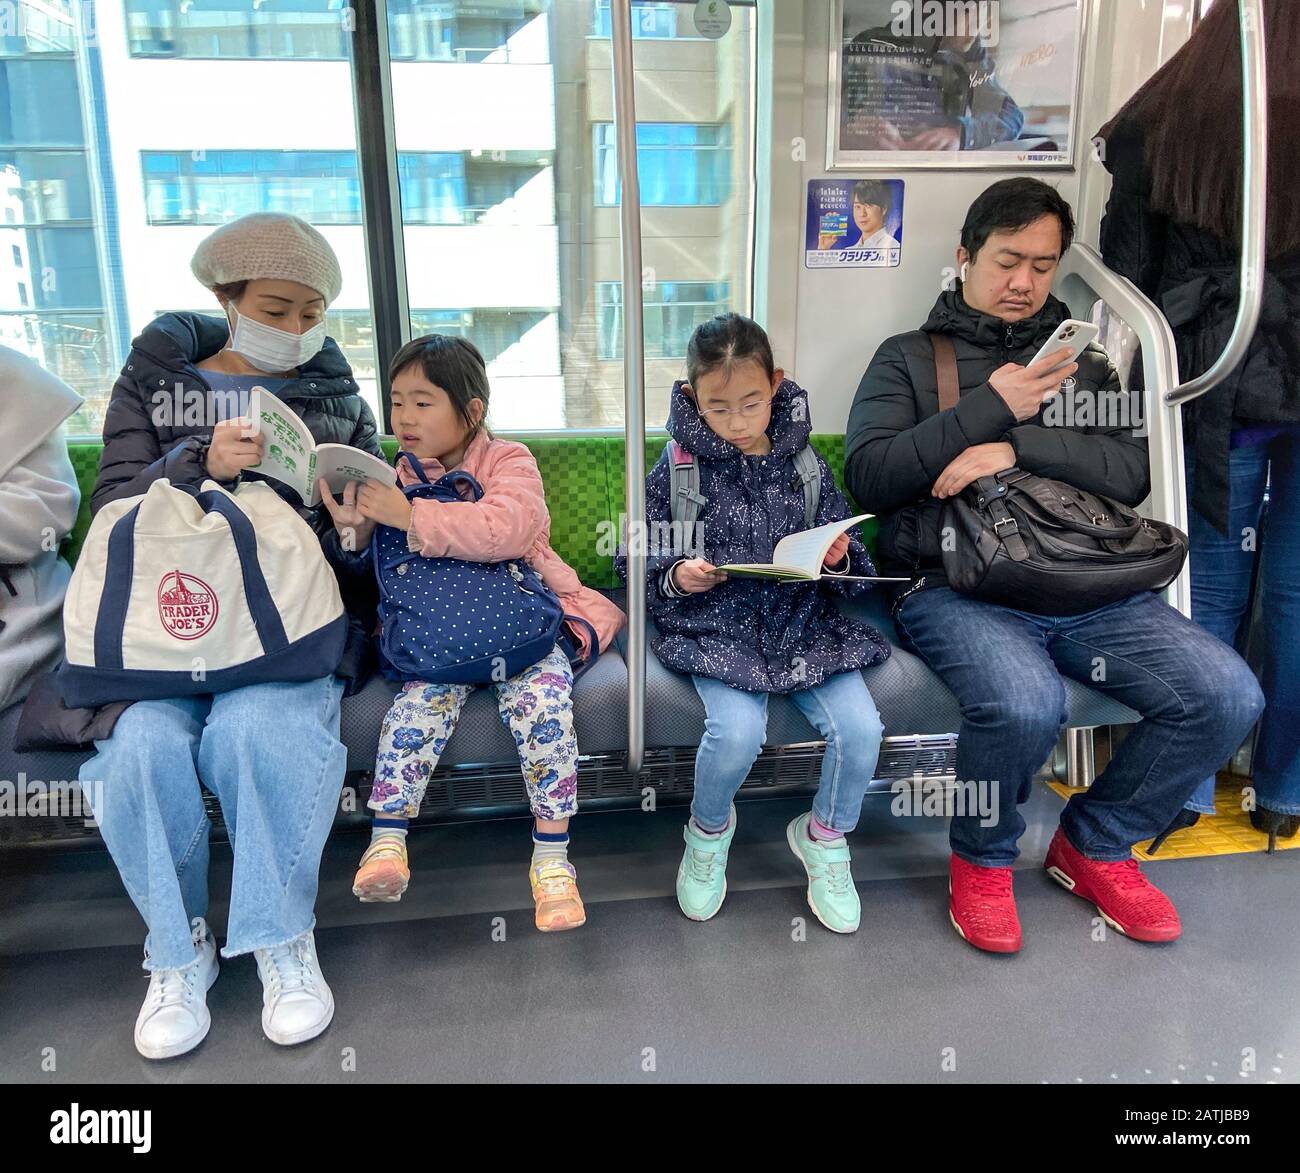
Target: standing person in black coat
270 752
905 457
1173 226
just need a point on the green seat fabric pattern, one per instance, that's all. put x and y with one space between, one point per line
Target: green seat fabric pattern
583 475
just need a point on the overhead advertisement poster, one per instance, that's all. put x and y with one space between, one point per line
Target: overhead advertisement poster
854 223
937 83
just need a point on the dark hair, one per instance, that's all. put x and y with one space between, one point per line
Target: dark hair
231 290
725 341
873 191
1010 205
1189 113
452 363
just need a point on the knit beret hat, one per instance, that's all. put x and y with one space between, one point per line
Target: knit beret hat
268 244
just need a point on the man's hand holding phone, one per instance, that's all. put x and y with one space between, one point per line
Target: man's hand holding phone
1025 389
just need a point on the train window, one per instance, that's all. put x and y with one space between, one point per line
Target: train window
683 164
649 21
509 211
672 311
113 165
174 118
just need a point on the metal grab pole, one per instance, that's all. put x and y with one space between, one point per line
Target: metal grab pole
620 43
1254 202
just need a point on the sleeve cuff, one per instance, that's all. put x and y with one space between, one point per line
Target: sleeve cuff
984 415
666 585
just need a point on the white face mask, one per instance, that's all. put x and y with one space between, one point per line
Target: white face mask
271 349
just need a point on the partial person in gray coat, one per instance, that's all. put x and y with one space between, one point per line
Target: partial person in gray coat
39 499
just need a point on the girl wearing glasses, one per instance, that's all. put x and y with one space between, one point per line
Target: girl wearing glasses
741 639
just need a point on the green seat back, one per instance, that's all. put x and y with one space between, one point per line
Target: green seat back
583 476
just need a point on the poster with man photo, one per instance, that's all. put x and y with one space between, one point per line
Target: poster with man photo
854 224
954 83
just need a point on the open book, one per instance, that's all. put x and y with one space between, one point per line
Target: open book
799 557
293 457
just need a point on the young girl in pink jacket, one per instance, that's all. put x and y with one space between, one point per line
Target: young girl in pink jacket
440 399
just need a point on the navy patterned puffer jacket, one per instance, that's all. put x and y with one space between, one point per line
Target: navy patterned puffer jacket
753 634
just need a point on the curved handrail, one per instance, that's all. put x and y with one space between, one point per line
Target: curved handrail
620 42
1083 275
1254 188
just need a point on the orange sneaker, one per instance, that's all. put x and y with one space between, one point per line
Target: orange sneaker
383 874
555 892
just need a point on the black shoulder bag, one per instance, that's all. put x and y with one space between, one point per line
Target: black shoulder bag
1044 546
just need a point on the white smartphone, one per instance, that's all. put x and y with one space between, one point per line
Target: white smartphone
1072 333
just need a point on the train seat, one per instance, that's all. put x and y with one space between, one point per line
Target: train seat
583 475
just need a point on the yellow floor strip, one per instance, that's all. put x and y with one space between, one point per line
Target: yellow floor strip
1227 833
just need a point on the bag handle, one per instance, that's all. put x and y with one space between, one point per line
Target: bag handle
945 370
413 463
266 619
458 477
119 569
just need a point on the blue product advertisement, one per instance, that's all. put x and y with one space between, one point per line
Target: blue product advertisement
855 223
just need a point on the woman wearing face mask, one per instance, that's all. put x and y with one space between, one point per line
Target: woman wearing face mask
270 752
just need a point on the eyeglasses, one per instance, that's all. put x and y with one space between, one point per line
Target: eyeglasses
748 410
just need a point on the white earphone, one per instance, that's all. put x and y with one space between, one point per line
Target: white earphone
964 266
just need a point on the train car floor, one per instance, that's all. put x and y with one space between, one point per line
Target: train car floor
427 989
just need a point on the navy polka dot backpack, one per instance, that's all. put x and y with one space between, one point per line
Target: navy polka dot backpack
452 621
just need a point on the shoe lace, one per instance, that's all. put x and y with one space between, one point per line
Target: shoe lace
839 879
289 967
175 987
701 864
1126 875
994 882
172 987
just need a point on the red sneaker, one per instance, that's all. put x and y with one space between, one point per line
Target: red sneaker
1126 899
981 906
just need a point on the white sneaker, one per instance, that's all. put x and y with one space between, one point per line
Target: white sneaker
296 1003
174 1018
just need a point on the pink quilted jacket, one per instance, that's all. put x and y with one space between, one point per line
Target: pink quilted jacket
509 521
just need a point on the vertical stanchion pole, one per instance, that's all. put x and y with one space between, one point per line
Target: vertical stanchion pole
633 374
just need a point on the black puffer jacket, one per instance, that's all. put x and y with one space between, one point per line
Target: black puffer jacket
138 451
1194 277
898 441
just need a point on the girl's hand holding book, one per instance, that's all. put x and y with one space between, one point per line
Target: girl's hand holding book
695 576
837 553
353 526
384 504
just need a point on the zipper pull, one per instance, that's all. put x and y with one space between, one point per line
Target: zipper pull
1008 343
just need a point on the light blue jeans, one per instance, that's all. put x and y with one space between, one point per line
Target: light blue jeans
735 725
272 756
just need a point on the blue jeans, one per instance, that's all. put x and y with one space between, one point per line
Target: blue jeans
1197 698
1222 569
272 756
735 725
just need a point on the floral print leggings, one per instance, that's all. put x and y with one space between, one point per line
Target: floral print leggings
536 706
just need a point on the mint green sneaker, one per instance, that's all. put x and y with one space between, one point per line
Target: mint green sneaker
702 877
831 894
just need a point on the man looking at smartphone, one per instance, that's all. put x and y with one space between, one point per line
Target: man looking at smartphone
905 456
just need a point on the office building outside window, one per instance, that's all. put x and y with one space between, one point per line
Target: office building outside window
127 136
